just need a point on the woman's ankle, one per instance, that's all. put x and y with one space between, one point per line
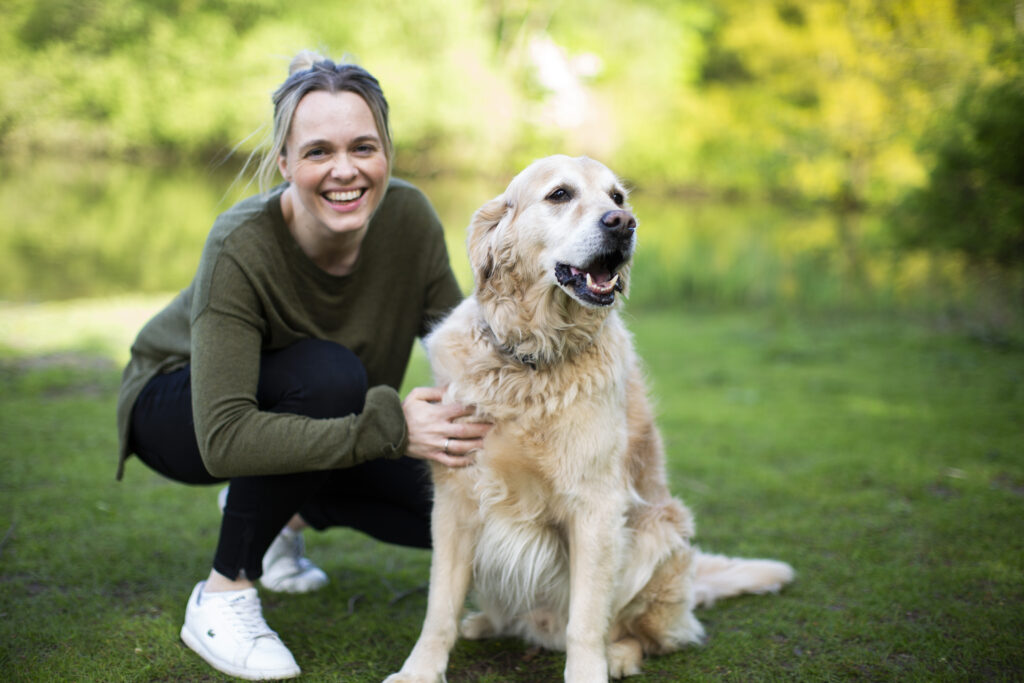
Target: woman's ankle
218 583
296 523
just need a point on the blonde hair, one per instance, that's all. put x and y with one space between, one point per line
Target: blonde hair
308 72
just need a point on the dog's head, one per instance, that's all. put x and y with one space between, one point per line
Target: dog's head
562 224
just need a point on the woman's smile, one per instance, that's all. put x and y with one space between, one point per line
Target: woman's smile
340 197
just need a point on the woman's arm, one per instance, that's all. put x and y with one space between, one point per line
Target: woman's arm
235 437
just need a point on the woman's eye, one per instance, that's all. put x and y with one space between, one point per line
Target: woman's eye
315 152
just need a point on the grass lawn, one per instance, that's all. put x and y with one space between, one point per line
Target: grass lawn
882 458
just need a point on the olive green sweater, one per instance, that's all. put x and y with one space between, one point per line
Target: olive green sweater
256 290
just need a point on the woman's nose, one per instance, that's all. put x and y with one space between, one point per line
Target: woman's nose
343 168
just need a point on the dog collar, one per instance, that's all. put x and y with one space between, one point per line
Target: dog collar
527 359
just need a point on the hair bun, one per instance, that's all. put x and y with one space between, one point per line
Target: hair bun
304 60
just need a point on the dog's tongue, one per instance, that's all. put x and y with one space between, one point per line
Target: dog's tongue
596 274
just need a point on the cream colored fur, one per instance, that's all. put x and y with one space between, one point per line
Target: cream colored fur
564 527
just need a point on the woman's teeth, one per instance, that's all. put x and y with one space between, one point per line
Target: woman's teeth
349 196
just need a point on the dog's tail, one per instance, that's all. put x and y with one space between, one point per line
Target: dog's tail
718 576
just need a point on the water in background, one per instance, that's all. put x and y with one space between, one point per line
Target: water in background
94 229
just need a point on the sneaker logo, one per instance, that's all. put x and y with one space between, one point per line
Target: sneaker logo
211 634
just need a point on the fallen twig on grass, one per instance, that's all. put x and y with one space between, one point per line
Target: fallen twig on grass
10 530
404 594
352 603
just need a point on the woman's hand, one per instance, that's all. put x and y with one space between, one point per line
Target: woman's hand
433 433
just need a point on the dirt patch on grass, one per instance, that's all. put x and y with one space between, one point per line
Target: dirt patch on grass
65 359
59 375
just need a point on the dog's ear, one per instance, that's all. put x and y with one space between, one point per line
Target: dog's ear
479 241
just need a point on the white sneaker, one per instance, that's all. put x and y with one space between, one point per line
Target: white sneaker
285 567
286 570
228 631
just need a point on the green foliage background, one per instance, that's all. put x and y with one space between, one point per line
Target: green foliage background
817 98
974 202
868 143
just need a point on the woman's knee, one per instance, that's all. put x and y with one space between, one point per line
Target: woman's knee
162 432
312 377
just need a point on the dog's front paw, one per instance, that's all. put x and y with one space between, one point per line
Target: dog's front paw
477 625
404 677
586 670
625 657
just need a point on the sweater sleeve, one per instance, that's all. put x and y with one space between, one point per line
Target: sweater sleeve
235 437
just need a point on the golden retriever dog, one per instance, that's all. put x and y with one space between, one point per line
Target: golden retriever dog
564 527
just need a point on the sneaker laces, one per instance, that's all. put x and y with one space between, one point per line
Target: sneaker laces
246 617
292 551
299 553
298 548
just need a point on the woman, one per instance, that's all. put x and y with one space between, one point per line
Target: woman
277 368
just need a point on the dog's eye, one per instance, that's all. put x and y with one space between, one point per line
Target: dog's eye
618 198
560 195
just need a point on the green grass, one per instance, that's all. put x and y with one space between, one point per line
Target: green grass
882 458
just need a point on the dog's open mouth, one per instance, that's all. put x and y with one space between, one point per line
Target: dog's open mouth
594 283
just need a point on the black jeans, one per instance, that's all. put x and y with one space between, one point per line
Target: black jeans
387 499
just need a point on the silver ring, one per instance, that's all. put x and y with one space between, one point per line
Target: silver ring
446 446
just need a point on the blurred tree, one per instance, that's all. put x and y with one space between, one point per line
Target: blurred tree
973 201
825 99
819 99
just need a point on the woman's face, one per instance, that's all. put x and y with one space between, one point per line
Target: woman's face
334 159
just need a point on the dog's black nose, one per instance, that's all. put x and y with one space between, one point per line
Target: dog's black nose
619 222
